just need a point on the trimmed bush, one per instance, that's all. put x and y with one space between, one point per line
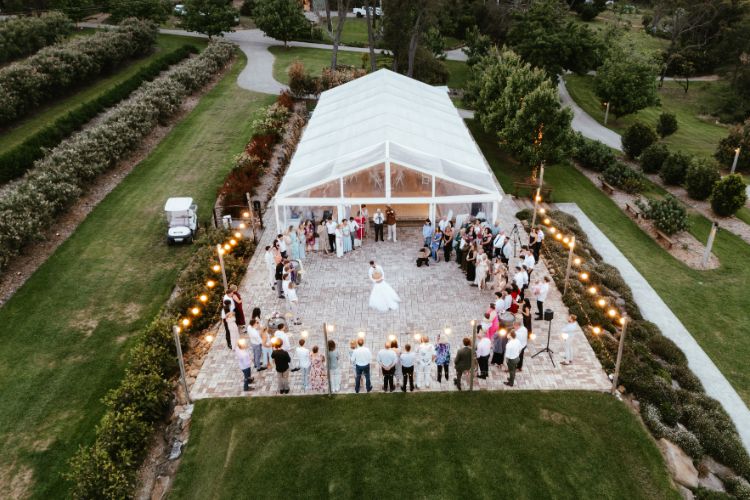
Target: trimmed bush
700 179
739 137
636 138
666 124
16 161
30 205
593 155
729 195
625 178
55 70
652 158
667 350
669 215
22 36
674 168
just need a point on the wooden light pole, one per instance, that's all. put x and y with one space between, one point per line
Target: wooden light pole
220 252
180 361
328 365
572 246
709 244
620 348
473 354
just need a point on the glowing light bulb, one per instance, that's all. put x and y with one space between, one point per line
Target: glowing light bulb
447 331
577 261
242 342
238 235
216 268
391 337
566 239
601 302
203 298
546 221
612 313
195 311
503 332
542 210
564 336
304 334
222 251
622 321
538 198
233 242
552 230
330 328
246 214
209 338
185 322
532 336
242 225
592 290
226 246
584 276
559 236
417 337
178 329
210 283
361 335
596 330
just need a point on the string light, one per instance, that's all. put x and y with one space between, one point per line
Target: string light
542 210
552 230
185 322
210 283
601 302
203 298
622 321
227 247
221 251
361 335
304 334
195 311
447 331
330 328
246 215
592 290
596 330
503 332
559 236
216 268
238 235
612 313
233 242
577 261
209 338
584 276
391 337
417 337
178 329
546 221
242 225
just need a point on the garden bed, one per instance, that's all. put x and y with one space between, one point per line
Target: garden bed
686 247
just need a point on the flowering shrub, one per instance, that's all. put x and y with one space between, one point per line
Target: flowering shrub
55 69
273 120
624 177
302 83
56 181
668 215
22 36
17 160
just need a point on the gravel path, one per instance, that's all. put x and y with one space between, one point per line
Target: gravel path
655 310
585 124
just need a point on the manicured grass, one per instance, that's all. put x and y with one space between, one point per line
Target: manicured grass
713 305
697 134
65 333
355 30
32 124
522 445
314 60
317 59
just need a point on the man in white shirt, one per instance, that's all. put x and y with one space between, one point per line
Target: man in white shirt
387 359
408 359
270 266
541 290
443 223
425 357
353 227
281 335
378 219
282 245
243 360
567 337
256 343
484 349
521 279
500 302
331 229
361 357
303 363
522 335
538 244
497 244
529 261
512 352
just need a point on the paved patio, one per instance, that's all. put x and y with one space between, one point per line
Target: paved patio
336 290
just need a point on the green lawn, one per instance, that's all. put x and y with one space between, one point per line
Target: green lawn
33 123
65 333
524 445
712 304
355 31
697 134
632 33
317 59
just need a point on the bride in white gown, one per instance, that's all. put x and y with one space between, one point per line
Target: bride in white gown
383 297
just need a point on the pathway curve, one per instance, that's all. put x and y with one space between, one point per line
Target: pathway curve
585 124
655 310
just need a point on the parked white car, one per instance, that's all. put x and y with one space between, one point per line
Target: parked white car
361 12
179 10
182 218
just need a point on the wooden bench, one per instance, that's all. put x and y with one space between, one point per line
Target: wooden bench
667 239
546 192
632 210
606 187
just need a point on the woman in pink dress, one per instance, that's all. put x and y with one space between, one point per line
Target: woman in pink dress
317 371
309 236
361 221
494 321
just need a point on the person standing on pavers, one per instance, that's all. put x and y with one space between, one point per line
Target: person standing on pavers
378 220
243 360
512 353
567 337
361 357
462 363
390 220
425 357
331 229
281 360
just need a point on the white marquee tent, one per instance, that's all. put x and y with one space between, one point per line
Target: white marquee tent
386 139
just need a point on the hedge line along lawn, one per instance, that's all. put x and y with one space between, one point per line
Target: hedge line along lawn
65 333
713 305
317 59
18 133
524 445
696 134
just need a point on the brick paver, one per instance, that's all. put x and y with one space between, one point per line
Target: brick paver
336 290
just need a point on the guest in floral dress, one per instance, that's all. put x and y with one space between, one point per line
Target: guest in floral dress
442 358
318 381
309 236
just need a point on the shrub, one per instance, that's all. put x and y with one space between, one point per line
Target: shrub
728 195
642 330
16 161
22 36
30 205
594 154
700 179
624 177
652 158
668 215
674 168
686 378
636 138
56 69
666 350
247 8
739 137
301 83
666 124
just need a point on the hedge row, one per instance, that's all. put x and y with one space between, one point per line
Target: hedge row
108 467
57 180
15 162
22 36
55 70
651 362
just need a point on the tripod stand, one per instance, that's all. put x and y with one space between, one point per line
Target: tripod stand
515 237
548 315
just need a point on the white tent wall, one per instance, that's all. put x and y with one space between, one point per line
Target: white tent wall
386 139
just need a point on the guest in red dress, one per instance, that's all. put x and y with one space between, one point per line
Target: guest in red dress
239 314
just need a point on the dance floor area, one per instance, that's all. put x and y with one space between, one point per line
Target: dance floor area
433 299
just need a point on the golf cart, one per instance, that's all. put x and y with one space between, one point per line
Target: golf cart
182 217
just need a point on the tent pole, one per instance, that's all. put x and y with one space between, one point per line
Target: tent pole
494 212
278 221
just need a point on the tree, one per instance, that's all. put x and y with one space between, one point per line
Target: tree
370 35
404 25
544 38
155 10
77 10
739 137
280 19
729 195
343 7
627 82
210 17
477 45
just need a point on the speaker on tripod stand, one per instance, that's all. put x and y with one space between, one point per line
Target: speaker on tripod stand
549 314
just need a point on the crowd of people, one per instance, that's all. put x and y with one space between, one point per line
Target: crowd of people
491 260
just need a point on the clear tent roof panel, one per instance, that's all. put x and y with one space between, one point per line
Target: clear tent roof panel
385 116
